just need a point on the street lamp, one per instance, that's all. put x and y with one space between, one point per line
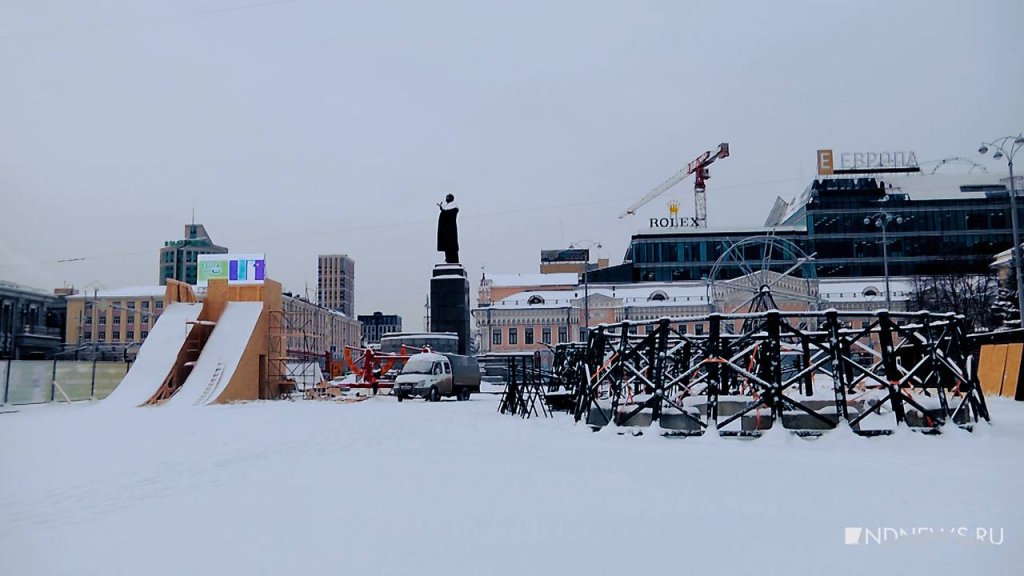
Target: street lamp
881 220
586 285
1008 146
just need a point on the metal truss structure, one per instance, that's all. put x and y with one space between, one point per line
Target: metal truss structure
525 387
567 372
808 371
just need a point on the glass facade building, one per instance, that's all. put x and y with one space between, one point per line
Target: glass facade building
938 224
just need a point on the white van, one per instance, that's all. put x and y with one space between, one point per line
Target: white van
432 376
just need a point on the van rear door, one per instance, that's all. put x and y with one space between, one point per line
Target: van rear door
445 386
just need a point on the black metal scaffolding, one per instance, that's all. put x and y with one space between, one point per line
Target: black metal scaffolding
525 386
809 371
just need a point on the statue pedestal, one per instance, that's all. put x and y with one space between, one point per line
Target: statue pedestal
449 302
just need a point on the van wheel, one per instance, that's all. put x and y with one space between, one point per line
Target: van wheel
434 395
463 394
400 397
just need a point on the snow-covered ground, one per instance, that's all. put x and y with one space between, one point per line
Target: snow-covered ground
379 487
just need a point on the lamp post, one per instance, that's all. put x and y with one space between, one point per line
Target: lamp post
586 286
881 220
1007 147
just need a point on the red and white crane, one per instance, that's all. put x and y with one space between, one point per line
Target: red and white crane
699 168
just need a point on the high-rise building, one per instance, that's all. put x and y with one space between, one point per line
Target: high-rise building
379 324
179 259
336 283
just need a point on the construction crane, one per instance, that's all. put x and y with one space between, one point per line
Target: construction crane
699 168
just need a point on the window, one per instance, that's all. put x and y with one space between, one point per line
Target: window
131 318
513 336
131 305
101 337
88 319
528 335
130 335
159 304
103 319
545 335
682 328
116 335
563 334
583 335
496 337
88 336
144 334
145 304
117 318
632 329
698 329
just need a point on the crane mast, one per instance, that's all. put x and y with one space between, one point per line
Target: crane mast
699 168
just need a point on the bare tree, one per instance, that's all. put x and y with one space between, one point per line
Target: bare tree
971 295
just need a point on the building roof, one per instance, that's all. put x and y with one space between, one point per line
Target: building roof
941 186
148 291
916 186
4 284
864 289
1003 258
839 290
748 231
646 294
561 279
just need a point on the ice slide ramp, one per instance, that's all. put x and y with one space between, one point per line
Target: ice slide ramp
220 356
156 357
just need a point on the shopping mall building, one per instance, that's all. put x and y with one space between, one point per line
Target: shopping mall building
936 224
822 249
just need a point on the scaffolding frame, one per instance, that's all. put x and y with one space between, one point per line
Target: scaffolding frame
287 366
917 367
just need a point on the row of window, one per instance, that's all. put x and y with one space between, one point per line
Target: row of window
528 336
115 336
563 332
117 319
130 304
698 330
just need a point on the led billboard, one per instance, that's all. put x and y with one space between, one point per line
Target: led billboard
235 268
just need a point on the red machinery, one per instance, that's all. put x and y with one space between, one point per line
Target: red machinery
369 365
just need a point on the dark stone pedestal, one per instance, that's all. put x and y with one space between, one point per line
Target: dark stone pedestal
449 302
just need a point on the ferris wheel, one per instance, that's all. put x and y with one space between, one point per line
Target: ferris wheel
756 266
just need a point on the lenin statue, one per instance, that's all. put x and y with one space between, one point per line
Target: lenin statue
448 230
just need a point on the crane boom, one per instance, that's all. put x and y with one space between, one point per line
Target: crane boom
697 166
658 191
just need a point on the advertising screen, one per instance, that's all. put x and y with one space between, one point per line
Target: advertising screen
235 268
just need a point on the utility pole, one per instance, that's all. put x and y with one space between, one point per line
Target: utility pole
426 315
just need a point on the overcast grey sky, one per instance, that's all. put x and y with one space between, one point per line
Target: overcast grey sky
315 126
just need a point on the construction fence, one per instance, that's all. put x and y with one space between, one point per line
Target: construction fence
40 381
